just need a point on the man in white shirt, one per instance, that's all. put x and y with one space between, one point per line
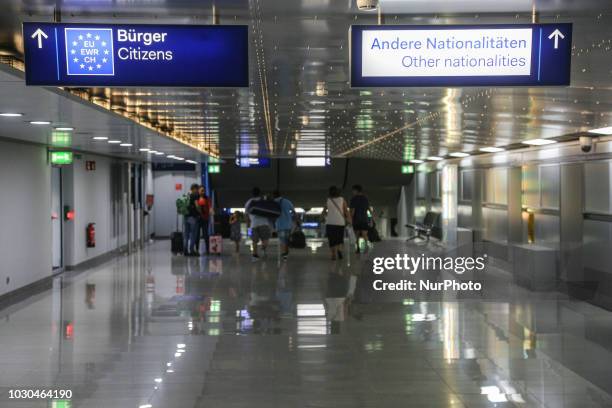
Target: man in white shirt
260 226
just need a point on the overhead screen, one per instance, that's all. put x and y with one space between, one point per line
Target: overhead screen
461 55
136 55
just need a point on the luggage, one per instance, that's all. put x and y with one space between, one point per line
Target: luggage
373 234
176 244
265 208
297 239
215 244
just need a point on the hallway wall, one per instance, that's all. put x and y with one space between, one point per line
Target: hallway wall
25 215
164 186
96 196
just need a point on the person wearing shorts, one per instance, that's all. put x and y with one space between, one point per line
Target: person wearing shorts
260 226
337 216
359 213
284 223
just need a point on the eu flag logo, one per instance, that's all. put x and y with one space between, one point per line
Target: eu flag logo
89 51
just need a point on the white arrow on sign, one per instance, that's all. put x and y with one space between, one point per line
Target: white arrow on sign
40 34
556 35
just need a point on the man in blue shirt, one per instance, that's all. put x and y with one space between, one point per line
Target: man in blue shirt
284 223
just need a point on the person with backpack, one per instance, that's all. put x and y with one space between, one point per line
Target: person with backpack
260 225
192 223
284 223
204 206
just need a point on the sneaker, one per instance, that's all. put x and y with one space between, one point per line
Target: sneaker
285 256
255 257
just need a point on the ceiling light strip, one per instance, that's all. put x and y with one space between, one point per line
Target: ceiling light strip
256 16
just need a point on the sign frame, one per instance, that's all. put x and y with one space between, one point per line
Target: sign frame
540 45
46 60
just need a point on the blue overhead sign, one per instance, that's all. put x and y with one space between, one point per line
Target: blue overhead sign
117 55
461 55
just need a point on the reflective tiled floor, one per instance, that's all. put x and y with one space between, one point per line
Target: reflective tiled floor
162 331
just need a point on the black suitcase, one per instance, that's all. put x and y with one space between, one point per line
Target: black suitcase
176 242
297 239
373 235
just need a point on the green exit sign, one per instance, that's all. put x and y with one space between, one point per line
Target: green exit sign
61 404
407 169
61 157
214 169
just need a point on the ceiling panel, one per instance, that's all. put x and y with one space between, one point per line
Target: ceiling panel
300 101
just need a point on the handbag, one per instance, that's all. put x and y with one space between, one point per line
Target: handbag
352 238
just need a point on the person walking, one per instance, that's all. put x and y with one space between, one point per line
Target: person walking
235 234
359 214
284 223
337 216
260 225
192 223
204 205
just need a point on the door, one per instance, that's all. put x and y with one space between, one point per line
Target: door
56 217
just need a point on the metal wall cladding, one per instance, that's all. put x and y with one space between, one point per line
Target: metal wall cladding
466 185
496 186
547 229
436 184
464 216
549 186
495 224
597 187
531 186
422 184
597 241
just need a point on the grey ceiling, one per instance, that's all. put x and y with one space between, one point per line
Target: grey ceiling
297 43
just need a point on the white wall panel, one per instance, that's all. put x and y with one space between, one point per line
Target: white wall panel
25 215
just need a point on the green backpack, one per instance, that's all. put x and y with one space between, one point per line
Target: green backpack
182 205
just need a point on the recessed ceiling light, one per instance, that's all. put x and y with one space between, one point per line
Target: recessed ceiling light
11 114
114 141
144 149
435 158
126 145
190 161
417 161
159 153
538 142
40 122
178 158
64 129
491 149
602 131
459 154
100 138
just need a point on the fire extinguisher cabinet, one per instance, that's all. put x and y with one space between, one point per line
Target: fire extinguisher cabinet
91 235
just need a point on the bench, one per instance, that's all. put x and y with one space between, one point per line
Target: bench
424 230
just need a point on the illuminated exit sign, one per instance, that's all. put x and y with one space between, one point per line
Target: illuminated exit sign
61 158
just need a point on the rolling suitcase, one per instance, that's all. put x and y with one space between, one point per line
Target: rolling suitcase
176 244
297 239
215 246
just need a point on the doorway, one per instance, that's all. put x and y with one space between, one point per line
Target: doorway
57 218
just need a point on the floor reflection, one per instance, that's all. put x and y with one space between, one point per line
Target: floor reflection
162 331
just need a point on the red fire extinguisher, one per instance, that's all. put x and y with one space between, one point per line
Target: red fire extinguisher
91 235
